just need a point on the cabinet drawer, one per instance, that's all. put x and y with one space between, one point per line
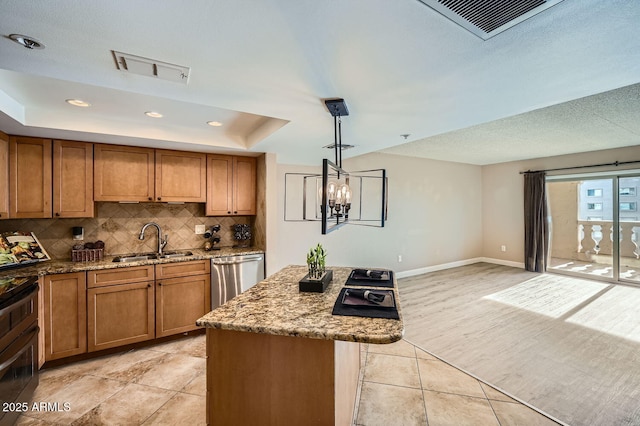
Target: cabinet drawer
108 277
182 269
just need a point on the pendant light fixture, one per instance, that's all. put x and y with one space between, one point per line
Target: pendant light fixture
337 192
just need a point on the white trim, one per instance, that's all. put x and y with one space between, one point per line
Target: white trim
427 269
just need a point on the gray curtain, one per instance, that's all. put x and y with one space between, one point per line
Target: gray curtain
536 226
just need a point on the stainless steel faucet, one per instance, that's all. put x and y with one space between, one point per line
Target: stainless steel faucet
161 242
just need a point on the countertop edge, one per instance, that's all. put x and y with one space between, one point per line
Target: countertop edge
62 266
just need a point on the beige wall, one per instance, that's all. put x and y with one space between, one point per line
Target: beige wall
434 218
502 196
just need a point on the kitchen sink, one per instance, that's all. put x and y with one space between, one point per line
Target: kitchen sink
136 257
172 254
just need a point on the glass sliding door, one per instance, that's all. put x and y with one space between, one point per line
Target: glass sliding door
629 229
595 227
582 213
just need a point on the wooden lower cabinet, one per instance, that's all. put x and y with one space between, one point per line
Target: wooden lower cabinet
65 315
180 302
120 314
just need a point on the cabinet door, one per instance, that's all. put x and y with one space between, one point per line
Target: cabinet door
219 185
123 173
65 315
244 186
72 179
29 177
119 315
181 176
180 302
4 176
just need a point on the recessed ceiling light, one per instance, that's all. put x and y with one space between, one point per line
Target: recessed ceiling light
214 123
26 41
78 103
153 114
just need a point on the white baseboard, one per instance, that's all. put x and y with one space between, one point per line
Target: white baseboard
427 269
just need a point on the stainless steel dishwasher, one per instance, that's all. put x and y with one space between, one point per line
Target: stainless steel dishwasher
231 275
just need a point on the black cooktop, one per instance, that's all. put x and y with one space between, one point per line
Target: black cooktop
12 289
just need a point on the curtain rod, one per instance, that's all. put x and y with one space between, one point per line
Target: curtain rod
617 163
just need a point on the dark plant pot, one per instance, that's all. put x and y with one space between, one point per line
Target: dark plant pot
314 285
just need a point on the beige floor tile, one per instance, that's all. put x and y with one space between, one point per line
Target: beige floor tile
495 394
400 348
390 405
82 395
51 381
425 355
30 421
182 409
173 371
515 414
128 366
197 386
444 409
392 370
192 346
440 377
130 406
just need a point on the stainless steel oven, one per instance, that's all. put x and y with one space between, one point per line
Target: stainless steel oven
18 345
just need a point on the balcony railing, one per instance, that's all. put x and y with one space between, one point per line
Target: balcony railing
596 237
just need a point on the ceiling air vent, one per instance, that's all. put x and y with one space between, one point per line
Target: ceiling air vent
344 146
151 68
488 18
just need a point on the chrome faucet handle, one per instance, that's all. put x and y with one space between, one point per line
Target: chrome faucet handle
165 240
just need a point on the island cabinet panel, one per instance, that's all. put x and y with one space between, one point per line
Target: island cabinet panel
29 177
120 314
231 185
65 315
180 302
4 176
264 379
72 179
123 173
181 176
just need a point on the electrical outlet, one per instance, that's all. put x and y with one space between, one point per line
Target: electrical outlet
503 248
399 258
200 229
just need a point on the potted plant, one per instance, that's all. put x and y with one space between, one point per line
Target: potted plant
318 277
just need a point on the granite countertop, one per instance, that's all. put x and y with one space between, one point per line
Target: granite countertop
276 306
61 266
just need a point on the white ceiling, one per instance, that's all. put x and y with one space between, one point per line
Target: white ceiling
264 67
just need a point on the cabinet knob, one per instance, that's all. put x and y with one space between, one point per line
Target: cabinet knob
228 212
148 285
57 214
150 199
159 284
159 198
235 212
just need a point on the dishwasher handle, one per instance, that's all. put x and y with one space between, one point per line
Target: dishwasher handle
236 259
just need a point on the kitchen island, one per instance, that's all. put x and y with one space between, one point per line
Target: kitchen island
276 355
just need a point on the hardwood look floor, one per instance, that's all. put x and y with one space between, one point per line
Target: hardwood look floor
569 347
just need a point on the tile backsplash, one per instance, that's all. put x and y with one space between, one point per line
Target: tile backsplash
118 225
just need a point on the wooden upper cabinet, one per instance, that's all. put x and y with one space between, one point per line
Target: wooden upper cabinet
244 189
123 173
231 185
181 176
219 185
4 176
29 177
72 179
